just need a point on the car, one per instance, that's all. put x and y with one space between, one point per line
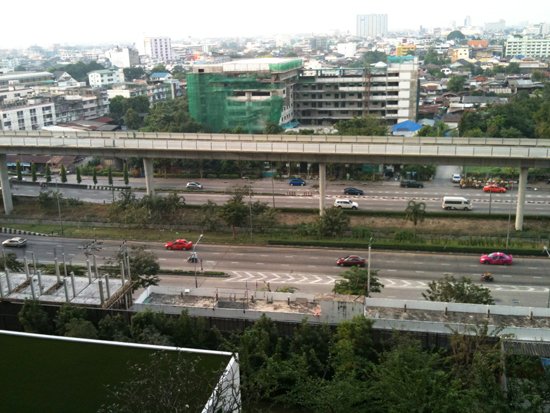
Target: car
16 242
410 183
296 182
494 188
179 244
456 178
353 191
193 185
346 204
350 261
496 258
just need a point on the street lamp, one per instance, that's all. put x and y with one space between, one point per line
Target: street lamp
368 268
545 248
194 258
58 206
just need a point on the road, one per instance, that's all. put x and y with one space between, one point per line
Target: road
405 274
379 196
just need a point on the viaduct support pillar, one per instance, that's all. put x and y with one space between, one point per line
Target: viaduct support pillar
322 187
148 168
522 185
5 182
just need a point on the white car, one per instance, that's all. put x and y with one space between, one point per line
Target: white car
193 185
346 204
456 178
16 242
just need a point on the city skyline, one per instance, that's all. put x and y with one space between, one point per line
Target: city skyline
114 22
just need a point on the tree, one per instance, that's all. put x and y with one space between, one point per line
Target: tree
18 171
273 129
131 73
65 314
132 119
78 175
33 318
118 107
110 175
125 174
355 282
456 35
415 212
209 217
33 172
365 126
235 212
453 290
48 174
456 84
78 327
333 223
9 260
63 174
94 176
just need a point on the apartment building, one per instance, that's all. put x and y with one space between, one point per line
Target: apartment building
372 25
86 104
386 90
527 46
123 57
155 92
105 77
27 114
159 49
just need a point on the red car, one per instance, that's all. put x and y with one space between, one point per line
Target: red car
350 261
179 244
493 188
496 258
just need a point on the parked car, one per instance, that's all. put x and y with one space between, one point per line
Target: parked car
296 182
15 242
493 188
346 204
179 244
409 183
350 261
353 191
193 185
496 258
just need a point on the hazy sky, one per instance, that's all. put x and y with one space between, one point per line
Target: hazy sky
101 21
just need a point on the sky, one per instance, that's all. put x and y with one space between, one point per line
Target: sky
34 22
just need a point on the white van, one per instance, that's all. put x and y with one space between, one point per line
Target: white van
456 202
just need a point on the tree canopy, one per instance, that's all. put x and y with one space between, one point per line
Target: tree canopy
452 290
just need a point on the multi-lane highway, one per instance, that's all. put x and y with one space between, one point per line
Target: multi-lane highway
383 196
313 270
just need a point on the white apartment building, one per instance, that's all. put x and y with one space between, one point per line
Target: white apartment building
158 48
27 114
389 90
123 57
527 46
105 77
156 92
84 105
372 25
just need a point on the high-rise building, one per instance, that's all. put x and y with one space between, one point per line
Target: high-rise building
158 48
123 57
372 25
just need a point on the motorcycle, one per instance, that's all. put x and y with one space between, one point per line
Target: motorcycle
487 277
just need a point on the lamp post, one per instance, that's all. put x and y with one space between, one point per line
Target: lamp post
509 216
547 253
368 268
58 206
194 258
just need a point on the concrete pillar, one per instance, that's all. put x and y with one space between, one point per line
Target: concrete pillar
322 187
522 185
5 182
148 168
66 288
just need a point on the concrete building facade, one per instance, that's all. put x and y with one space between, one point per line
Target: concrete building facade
158 48
123 57
27 114
388 91
105 77
527 46
372 25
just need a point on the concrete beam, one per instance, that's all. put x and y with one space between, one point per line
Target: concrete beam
5 182
148 168
522 186
322 187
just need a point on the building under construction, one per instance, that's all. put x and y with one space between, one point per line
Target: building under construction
250 94
244 94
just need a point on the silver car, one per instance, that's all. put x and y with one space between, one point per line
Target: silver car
16 242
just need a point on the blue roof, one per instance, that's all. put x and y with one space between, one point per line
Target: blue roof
406 126
160 74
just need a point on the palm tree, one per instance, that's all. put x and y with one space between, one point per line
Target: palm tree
415 212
